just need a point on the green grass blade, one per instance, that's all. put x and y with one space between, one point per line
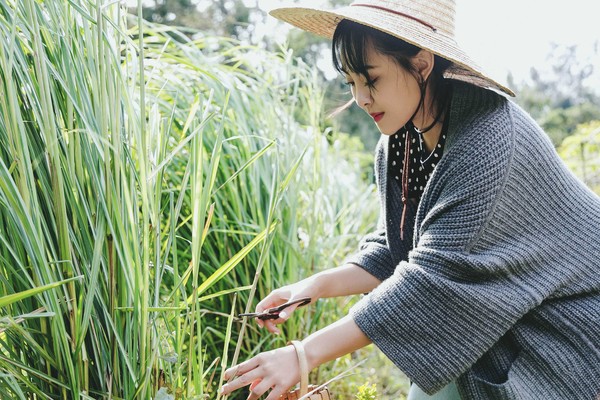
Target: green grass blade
12 298
231 264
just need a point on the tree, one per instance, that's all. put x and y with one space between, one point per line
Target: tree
227 18
581 151
560 99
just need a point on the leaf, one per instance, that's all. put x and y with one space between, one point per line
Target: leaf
229 265
12 298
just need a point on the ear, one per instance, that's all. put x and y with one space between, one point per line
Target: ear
423 62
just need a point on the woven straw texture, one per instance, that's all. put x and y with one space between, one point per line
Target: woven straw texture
426 24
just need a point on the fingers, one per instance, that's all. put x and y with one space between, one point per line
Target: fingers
240 369
243 379
253 384
258 386
262 387
275 370
271 324
274 299
258 389
285 314
276 393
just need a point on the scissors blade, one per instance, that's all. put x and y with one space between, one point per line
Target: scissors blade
273 313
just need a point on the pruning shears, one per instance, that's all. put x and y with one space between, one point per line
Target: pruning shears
273 313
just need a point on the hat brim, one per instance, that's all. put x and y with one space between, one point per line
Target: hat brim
324 22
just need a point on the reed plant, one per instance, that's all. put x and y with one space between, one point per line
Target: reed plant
152 186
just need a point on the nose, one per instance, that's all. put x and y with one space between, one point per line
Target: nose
362 96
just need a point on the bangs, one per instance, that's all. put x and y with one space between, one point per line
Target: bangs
351 41
349 48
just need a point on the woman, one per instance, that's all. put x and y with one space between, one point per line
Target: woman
483 278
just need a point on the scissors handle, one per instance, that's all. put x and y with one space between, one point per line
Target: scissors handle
303 301
273 313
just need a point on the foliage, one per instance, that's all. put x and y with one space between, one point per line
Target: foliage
367 392
560 123
155 186
235 19
376 369
560 99
581 152
227 18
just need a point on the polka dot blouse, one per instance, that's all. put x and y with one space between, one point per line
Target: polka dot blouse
421 163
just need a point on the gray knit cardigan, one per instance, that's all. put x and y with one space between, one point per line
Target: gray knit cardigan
498 285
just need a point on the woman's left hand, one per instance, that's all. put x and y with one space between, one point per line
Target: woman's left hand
277 370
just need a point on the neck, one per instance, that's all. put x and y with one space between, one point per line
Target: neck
425 121
432 136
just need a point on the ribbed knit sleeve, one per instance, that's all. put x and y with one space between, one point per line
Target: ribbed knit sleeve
374 255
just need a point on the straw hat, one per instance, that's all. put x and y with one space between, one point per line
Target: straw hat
428 24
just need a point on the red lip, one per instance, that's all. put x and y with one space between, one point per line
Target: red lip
377 116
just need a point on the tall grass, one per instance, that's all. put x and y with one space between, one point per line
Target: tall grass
300 180
150 188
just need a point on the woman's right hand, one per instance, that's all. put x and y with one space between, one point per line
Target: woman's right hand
305 288
345 280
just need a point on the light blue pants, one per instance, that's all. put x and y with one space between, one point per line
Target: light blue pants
448 392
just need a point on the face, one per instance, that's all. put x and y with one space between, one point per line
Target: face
392 95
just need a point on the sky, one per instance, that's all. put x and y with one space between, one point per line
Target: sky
509 35
515 35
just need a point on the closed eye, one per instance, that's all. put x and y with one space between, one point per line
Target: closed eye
371 83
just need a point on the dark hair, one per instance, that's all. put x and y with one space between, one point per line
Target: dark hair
349 53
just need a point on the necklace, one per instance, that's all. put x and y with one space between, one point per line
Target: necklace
410 165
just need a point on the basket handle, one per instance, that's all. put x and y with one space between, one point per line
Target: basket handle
303 364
